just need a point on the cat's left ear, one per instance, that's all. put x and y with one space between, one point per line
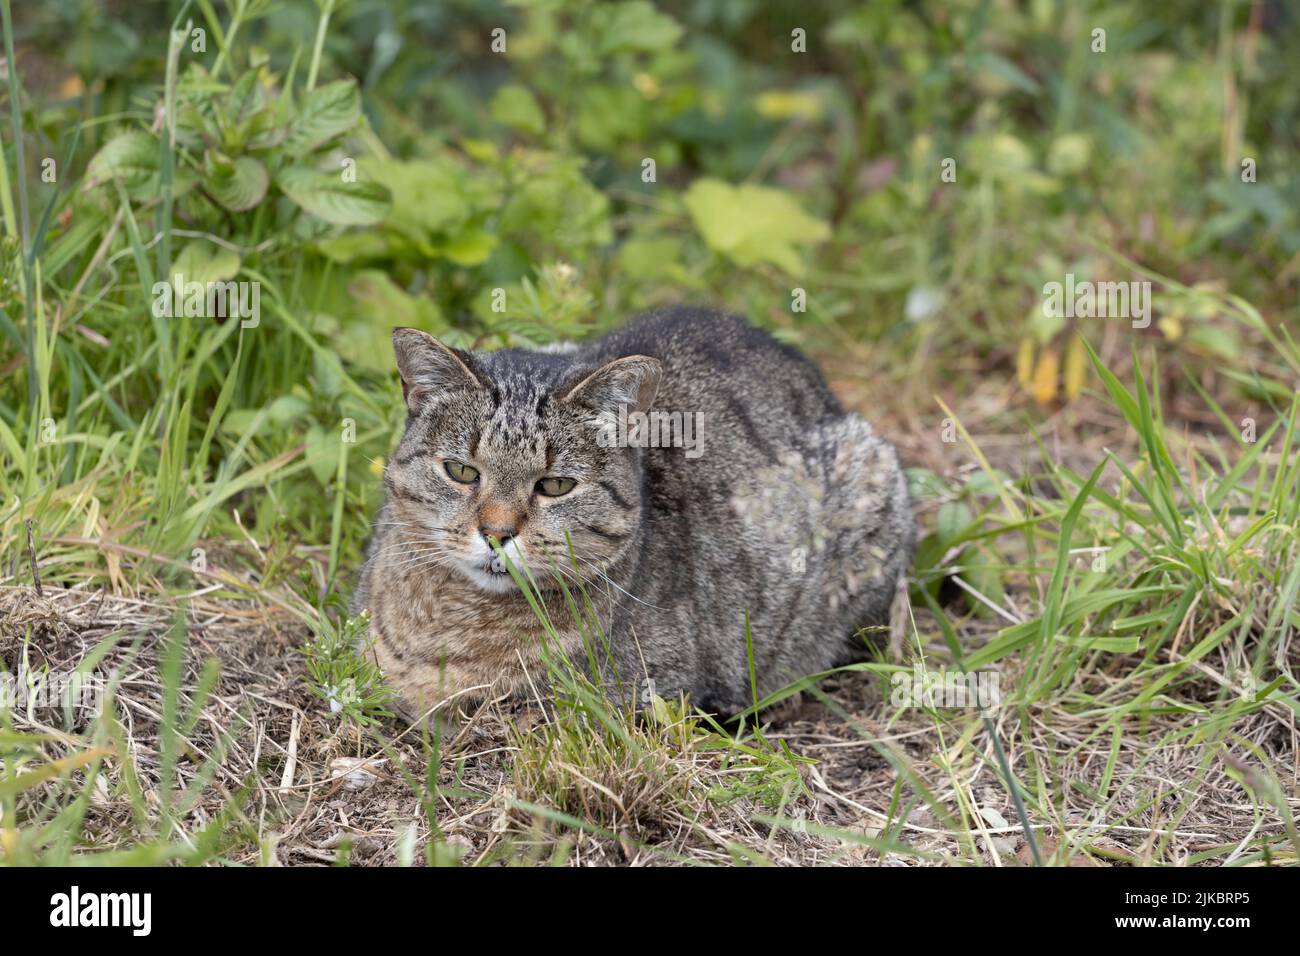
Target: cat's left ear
630 382
429 368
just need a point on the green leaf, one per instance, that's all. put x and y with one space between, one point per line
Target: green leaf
924 483
1217 341
634 26
1006 71
954 517
1069 154
286 408
239 420
239 185
130 157
202 261
982 573
471 247
326 112
326 195
557 206
752 224
321 453
245 99
327 374
357 246
429 195
387 305
515 106
653 258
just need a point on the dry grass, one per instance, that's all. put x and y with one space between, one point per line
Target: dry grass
306 786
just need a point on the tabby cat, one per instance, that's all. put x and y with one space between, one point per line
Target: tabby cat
701 472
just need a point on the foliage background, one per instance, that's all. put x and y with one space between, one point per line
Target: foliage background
775 170
136 444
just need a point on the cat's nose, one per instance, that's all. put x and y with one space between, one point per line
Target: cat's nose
502 535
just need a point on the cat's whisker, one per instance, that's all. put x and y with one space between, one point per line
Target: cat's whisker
590 565
399 523
412 552
430 558
416 569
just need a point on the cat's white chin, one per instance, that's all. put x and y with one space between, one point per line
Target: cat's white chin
494 582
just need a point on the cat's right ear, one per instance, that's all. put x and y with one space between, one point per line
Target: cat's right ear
631 382
429 368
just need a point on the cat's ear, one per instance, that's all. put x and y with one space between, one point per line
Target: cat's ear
429 368
630 382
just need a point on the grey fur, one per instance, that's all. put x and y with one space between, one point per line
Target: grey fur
795 511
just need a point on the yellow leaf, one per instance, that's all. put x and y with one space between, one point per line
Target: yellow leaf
71 87
1049 364
1076 368
646 85
1025 362
789 104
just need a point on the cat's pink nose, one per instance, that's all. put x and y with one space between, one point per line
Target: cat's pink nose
502 535
498 520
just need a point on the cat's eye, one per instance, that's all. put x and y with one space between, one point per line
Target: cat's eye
554 487
459 471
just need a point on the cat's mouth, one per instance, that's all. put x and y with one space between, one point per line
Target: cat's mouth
488 574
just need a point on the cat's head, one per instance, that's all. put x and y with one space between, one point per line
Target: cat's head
506 446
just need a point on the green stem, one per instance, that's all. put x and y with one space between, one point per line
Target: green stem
327 8
167 157
20 175
230 39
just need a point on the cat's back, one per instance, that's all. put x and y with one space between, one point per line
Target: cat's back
786 519
717 362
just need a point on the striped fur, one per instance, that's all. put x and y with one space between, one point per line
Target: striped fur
793 511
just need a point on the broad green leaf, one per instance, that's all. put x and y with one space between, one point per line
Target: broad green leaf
429 196
327 373
1219 342
634 26
384 303
471 247
238 420
326 195
752 224
239 185
130 157
326 112
286 408
557 205
954 518
246 97
321 453
654 258
924 483
203 261
515 106
355 247
1069 154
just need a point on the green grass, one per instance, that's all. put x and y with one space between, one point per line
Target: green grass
1101 528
